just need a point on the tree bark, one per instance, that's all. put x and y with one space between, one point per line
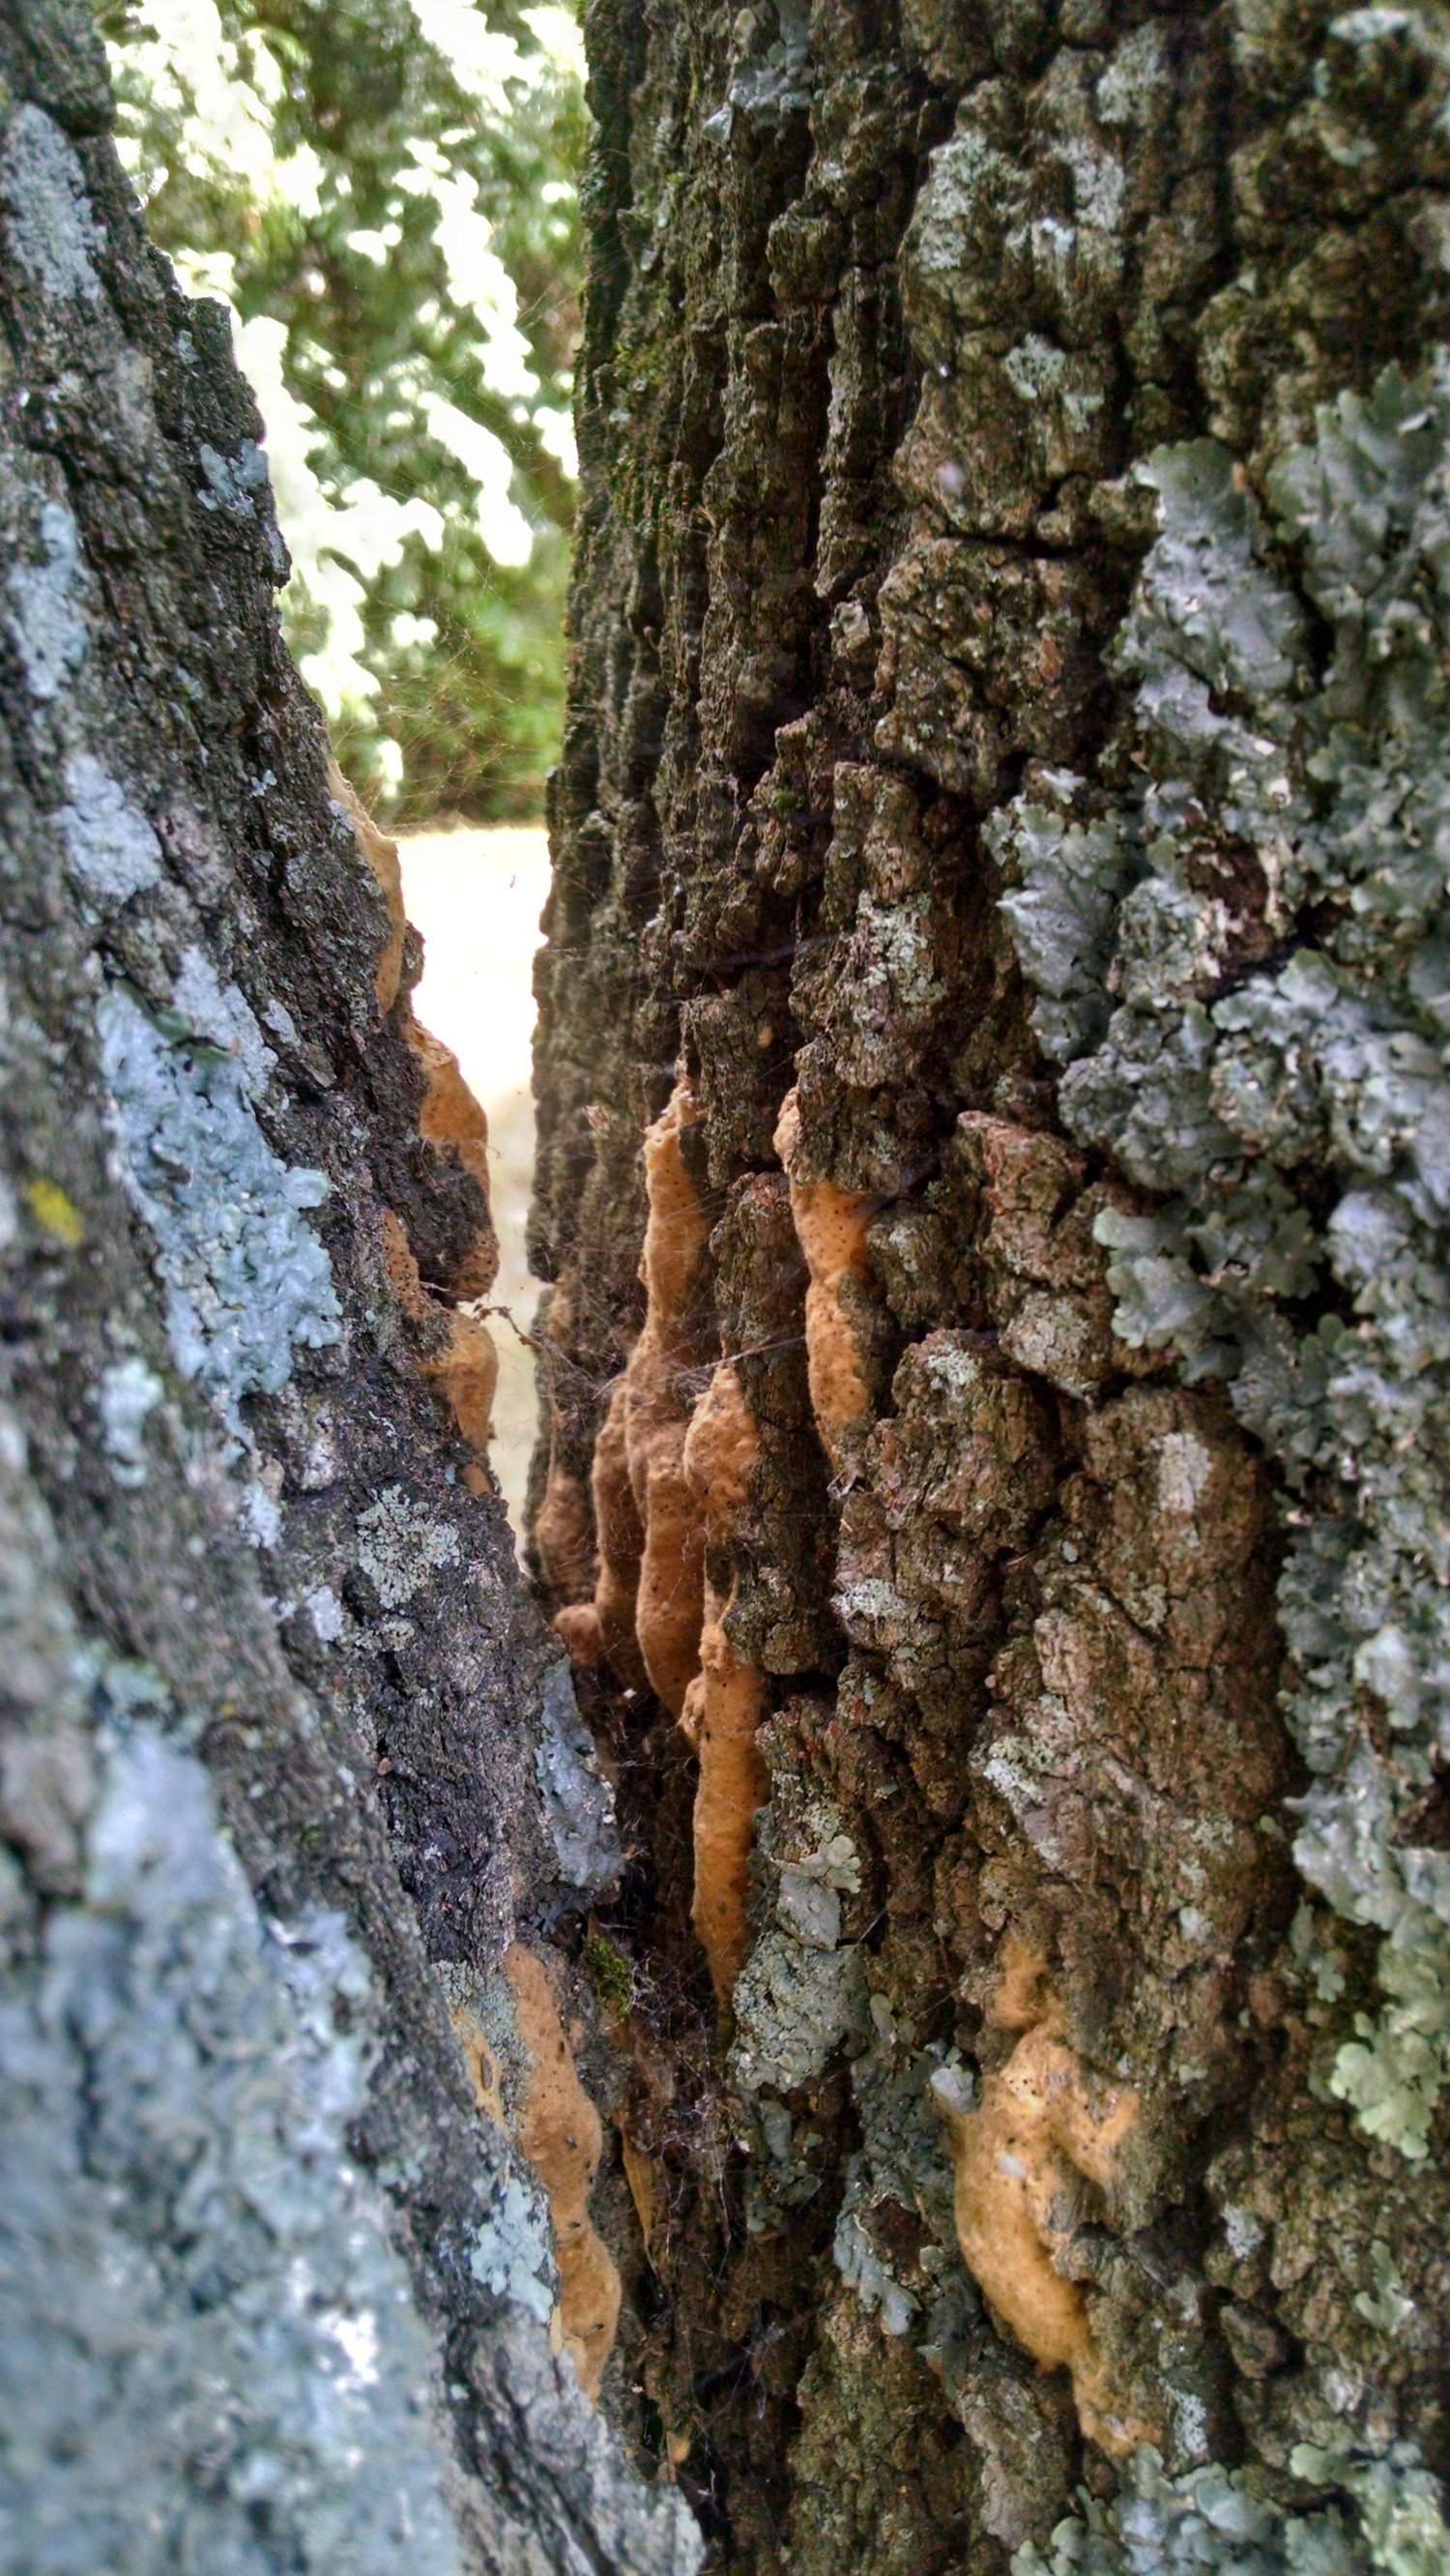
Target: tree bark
296 1809
990 1087
994 1186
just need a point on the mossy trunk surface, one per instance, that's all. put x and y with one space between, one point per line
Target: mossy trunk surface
995 1178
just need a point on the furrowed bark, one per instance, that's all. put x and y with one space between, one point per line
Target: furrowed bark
999 795
289 1766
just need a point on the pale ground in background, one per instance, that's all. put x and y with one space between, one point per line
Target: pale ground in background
476 897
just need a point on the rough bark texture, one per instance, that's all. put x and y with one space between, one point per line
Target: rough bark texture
1000 859
278 1724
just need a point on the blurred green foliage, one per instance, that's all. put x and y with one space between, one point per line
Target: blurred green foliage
384 192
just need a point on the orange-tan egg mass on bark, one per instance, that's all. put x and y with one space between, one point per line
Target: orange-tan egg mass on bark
723 1704
1042 2120
830 1225
603 1628
649 1556
560 2132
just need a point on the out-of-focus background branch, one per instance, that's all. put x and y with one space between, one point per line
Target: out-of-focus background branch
384 193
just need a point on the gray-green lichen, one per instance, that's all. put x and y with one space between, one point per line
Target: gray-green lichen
110 848
43 617
578 1801
512 2252
1212 2521
802 1996
794 2004
127 1394
52 230
209 2355
1275 1012
241 485
401 1545
1062 909
221 1012
861 2267
770 78
511 2249
246 1278
903 2164
801 1990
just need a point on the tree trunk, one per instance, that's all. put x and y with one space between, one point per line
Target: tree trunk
278 1724
994 1185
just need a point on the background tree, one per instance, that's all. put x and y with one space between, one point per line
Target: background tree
999 879
385 195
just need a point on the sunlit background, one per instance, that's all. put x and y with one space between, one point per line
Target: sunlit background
383 195
476 897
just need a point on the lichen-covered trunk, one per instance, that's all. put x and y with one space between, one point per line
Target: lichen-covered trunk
297 1819
995 1183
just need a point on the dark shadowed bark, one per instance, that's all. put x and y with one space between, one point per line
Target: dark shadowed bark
996 1503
